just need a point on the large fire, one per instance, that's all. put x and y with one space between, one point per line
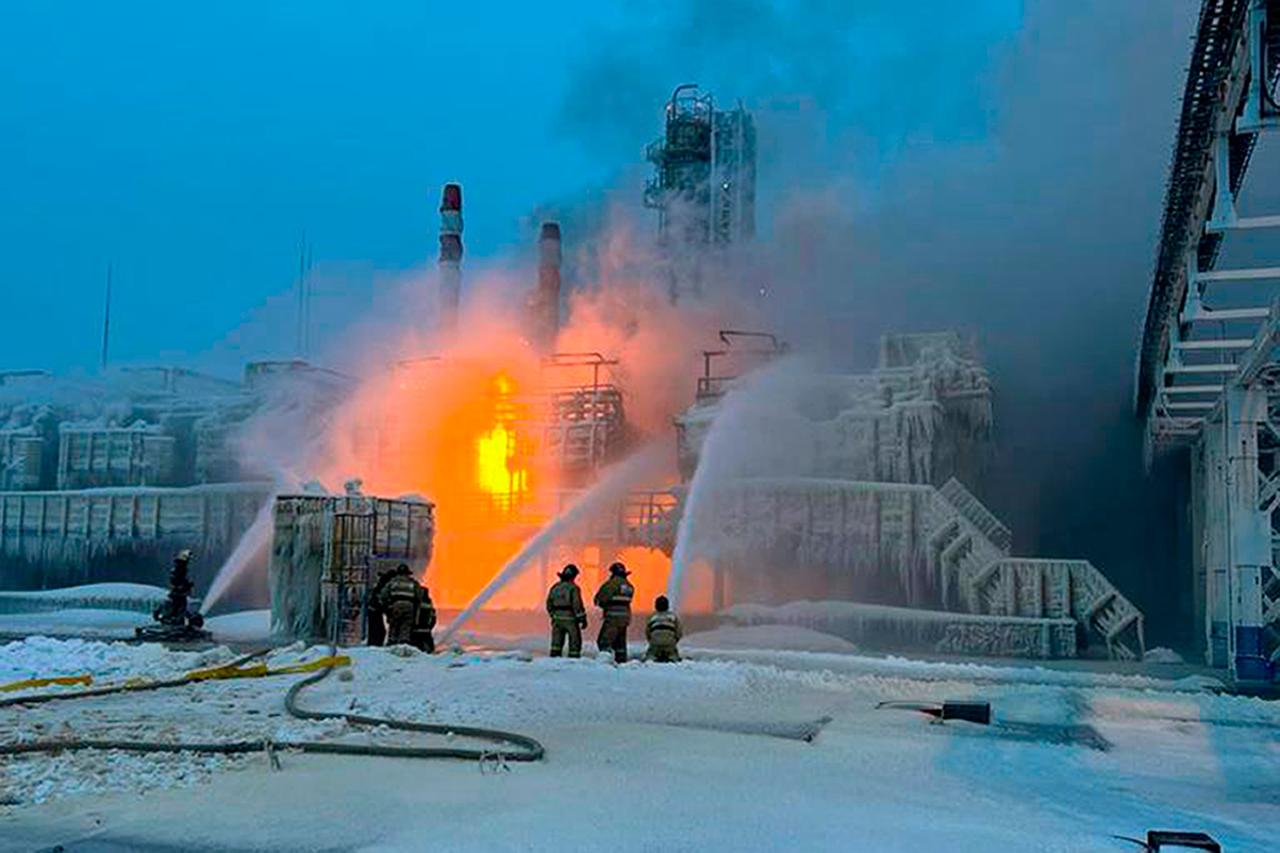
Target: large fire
483 425
499 470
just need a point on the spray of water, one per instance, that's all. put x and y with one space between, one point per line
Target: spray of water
734 444
613 484
250 551
692 519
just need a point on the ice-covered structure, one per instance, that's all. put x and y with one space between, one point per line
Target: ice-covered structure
851 490
327 551
922 415
104 477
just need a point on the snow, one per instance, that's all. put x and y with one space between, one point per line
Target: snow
137 597
650 756
249 626
244 626
783 637
113 624
40 657
1160 654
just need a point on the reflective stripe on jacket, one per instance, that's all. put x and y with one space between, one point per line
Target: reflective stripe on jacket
663 629
401 588
565 600
614 597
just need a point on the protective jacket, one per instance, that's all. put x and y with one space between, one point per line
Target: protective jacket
614 596
564 603
663 629
426 611
401 588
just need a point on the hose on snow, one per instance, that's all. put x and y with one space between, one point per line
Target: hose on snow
507 746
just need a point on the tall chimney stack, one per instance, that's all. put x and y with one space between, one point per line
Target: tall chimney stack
450 262
546 299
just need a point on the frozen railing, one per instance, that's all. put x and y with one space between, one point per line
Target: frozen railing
981 517
1018 586
976 574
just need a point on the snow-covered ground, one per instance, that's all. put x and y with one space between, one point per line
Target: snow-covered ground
135 597
780 637
645 756
248 626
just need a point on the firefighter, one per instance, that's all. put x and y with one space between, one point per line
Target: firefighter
568 615
663 631
174 610
400 600
377 632
426 620
614 598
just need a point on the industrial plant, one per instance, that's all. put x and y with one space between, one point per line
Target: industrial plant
865 523
778 456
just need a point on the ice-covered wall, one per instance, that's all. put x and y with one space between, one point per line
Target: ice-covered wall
326 552
922 416
780 538
81 458
50 539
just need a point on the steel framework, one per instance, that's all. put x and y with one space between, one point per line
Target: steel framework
704 187
1208 365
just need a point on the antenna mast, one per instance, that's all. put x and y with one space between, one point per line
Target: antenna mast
106 320
304 298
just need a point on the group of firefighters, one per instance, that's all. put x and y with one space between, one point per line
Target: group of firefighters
410 615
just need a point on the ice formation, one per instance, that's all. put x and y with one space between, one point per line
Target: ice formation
848 488
122 469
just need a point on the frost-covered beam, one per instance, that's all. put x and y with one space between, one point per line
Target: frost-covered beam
1261 352
1210 315
1201 368
1258 111
1245 223
1243 274
1192 389
1215 344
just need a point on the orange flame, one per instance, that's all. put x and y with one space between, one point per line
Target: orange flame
466 427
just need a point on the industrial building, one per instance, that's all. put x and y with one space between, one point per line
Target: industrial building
1208 362
866 506
105 477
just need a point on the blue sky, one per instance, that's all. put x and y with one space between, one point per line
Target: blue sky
193 149
191 145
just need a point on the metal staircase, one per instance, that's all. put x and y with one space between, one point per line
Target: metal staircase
968 553
977 514
969 548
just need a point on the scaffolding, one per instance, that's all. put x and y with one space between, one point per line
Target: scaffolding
581 420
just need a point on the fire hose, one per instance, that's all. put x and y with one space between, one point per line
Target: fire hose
518 747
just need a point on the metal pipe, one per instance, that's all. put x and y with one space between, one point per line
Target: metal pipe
546 299
450 262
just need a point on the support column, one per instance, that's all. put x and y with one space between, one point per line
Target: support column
1213 545
1249 535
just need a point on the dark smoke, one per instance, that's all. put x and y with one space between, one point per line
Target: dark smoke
997 168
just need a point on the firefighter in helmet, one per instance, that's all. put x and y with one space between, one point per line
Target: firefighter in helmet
377 632
400 600
614 598
663 631
568 615
424 623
